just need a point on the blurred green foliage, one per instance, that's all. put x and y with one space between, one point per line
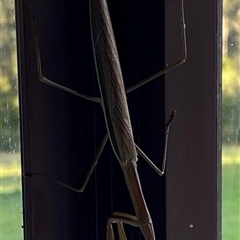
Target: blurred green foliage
10 178
231 73
231 101
9 109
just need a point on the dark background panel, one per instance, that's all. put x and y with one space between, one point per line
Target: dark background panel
61 132
193 181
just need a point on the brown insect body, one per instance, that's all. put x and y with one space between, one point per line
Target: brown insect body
114 104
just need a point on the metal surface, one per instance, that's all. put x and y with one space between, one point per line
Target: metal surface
193 178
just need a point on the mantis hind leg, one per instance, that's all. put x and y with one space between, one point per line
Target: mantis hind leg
161 171
39 67
170 67
90 171
119 218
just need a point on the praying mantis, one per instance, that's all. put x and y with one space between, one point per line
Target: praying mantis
116 114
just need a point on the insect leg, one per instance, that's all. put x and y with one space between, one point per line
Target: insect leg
169 68
39 67
90 171
161 171
119 218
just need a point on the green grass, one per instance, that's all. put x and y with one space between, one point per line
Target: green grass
231 202
11 216
10 197
231 193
